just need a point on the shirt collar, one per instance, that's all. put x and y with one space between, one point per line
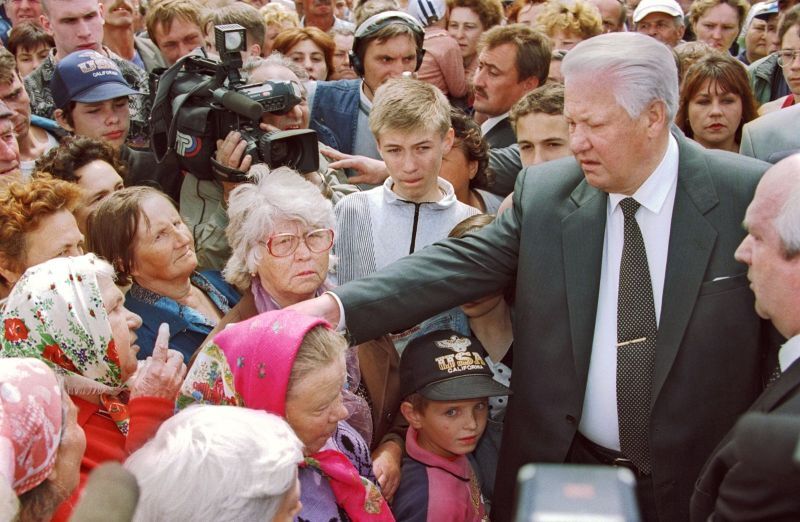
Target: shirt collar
491 122
789 353
655 189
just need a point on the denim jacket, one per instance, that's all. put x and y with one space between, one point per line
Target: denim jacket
334 113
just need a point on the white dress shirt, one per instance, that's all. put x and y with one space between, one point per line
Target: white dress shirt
789 353
491 122
657 198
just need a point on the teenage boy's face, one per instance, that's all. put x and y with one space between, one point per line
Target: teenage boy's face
451 428
413 160
107 120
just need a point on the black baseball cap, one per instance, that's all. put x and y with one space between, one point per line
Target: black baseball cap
446 366
87 76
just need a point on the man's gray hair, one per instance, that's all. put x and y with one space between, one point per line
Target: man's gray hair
275 58
253 209
640 69
787 222
193 469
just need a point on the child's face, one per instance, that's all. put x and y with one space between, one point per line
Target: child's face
28 60
413 160
450 428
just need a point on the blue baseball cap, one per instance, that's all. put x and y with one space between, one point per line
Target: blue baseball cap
87 76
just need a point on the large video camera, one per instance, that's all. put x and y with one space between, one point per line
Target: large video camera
199 100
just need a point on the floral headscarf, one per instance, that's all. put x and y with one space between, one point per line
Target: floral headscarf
249 364
31 417
55 313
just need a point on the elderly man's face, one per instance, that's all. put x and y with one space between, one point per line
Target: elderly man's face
297 117
611 13
19 11
662 27
496 80
774 278
318 8
75 25
119 13
612 148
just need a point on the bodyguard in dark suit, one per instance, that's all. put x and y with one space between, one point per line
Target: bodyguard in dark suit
731 486
638 204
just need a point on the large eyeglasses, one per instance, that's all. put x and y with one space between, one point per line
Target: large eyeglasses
282 245
787 57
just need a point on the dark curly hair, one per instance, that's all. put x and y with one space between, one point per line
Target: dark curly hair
75 152
475 148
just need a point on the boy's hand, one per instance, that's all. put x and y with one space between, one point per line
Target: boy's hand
386 460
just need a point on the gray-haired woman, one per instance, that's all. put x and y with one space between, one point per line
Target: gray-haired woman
281 231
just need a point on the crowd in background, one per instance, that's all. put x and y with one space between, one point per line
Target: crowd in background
155 310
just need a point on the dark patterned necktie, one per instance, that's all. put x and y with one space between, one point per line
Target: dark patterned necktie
636 342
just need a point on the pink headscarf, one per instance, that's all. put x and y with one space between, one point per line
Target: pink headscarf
261 353
31 416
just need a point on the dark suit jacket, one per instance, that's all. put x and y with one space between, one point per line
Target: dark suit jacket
551 246
501 135
729 489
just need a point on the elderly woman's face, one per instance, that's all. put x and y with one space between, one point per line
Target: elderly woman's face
124 324
67 469
56 235
163 247
296 277
314 405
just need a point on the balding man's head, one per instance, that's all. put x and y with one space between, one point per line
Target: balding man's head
771 248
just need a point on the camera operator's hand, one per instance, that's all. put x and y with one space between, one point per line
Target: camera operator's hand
230 153
369 170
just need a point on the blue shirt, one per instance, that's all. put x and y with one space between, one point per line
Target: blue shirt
187 327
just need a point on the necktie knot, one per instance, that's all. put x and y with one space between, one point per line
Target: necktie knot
629 207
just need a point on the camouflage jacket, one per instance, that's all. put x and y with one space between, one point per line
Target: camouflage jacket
38 86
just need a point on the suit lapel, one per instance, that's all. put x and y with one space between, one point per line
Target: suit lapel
774 395
583 234
691 243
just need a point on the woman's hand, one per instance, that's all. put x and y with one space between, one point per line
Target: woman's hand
369 170
386 460
161 375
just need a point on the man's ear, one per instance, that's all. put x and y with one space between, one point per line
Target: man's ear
61 119
656 118
530 83
45 22
449 139
254 51
412 416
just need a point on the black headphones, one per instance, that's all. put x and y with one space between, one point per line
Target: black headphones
375 23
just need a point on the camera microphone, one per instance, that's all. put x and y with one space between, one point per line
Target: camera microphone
239 103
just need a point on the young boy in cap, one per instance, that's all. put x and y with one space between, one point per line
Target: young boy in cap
446 385
91 98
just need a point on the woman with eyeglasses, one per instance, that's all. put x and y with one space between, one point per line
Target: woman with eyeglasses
139 231
281 232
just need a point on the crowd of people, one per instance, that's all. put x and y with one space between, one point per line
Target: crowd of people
553 189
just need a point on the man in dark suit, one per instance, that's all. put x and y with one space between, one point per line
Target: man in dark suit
513 60
731 487
562 246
